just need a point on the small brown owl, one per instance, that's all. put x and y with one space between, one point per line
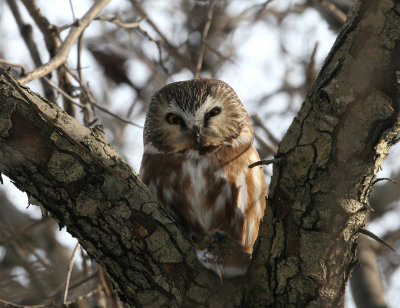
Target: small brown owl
197 148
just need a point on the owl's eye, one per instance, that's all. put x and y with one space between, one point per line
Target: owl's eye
173 119
214 112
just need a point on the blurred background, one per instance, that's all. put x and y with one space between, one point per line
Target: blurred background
270 52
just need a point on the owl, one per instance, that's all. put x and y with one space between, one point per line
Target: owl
198 145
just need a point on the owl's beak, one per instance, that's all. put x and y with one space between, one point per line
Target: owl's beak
196 134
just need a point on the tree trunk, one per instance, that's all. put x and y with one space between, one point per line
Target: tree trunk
318 195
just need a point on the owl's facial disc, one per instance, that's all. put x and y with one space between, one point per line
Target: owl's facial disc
195 126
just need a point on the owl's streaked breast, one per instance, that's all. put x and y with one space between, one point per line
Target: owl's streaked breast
205 195
198 192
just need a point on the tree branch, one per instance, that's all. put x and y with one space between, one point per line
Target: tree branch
204 38
319 195
66 46
75 175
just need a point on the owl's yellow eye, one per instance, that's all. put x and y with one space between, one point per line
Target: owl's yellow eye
174 119
214 112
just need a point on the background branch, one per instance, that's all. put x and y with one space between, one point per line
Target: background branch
72 37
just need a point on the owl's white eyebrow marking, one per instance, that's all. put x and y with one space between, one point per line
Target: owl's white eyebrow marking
209 103
174 108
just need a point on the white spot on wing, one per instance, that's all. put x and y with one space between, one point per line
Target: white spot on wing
243 196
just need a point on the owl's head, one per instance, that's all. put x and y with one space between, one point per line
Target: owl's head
199 114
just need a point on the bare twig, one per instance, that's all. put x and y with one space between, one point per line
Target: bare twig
182 61
10 304
220 55
204 38
20 232
106 288
9 63
265 162
383 179
70 267
376 238
105 110
334 10
79 283
258 122
158 44
66 46
52 38
79 52
119 23
265 148
26 33
72 10
85 296
52 304
50 33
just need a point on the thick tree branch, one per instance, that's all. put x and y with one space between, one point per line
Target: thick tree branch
319 196
70 171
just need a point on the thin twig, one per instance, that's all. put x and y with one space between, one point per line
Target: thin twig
220 55
105 110
85 296
258 122
21 231
266 148
9 63
383 179
70 267
79 283
376 238
265 162
66 46
158 44
10 304
53 42
106 288
334 10
204 38
79 52
26 33
72 10
173 50
119 23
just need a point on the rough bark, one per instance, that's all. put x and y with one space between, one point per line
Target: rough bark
318 195
331 153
